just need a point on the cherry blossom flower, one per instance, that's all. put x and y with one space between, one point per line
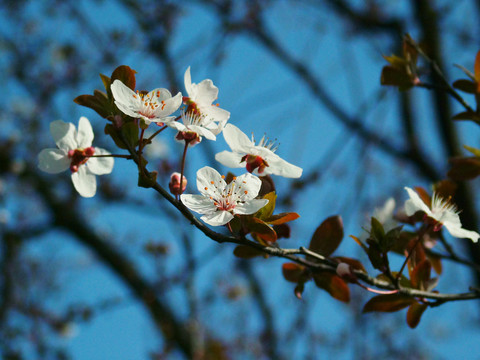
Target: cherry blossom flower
199 101
442 211
193 127
219 201
74 152
258 159
155 106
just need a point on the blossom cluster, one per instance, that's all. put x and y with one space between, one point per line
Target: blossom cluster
200 117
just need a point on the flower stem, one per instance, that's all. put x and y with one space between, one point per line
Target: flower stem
182 166
149 140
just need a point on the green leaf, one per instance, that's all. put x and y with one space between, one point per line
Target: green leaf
129 131
414 314
281 218
467 115
388 303
473 150
294 272
247 252
333 284
267 211
125 74
98 102
377 233
465 85
328 236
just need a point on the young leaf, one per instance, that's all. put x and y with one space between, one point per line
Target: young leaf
466 86
246 252
261 231
388 303
464 168
421 274
98 102
473 150
476 68
267 211
125 74
327 236
395 77
294 272
334 285
414 314
281 218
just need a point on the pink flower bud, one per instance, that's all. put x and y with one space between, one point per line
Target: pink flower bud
345 272
174 184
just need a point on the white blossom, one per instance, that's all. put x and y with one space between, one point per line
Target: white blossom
259 159
75 153
200 101
442 211
219 201
155 106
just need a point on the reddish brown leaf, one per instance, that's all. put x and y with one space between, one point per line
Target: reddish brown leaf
436 263
261 231
246 252
328 236
423 195
97 102
464 168
414 314
125 74
282 218
421 274
395 77
334 285
465 85
293 272
388 303
467 115
283 231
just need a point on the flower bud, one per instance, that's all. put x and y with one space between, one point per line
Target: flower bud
174 184
346 273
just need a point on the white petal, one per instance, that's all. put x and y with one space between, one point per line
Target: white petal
206 92
236 139
84 182
250 207
230 159
415 203
217 218
53 161
205 177
200 130
280 167
188 82
170 105
124 95
176 125
64 134
198 203
249 183
85 133
100 165
214 113
458 232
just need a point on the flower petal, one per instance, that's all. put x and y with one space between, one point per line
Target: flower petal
217 218
84 182
85 133
415 204
64 134
280 167
176 125
198 203
461 233
230 159
188 83
250 185
250 207
237 140
100 165
209 181
206 92
200 130
53 161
